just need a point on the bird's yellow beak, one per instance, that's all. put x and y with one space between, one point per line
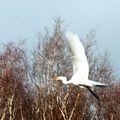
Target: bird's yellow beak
55 78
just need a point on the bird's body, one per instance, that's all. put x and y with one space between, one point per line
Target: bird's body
80 65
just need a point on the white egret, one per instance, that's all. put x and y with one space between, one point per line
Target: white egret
80 66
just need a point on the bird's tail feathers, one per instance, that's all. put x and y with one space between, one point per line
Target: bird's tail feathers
97 84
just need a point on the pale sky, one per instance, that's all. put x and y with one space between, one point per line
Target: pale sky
23 19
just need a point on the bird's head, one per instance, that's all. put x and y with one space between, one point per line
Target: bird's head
60 78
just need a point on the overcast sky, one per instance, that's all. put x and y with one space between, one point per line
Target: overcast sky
23 19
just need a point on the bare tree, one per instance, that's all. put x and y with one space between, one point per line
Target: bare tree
52 57
13 98
29 93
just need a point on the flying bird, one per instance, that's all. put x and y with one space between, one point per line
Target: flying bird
80 66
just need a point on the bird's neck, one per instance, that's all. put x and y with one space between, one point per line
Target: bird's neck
64 80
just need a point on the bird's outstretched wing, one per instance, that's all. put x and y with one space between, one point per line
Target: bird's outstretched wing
80 63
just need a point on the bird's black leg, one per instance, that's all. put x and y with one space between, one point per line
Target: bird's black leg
92 92
95 95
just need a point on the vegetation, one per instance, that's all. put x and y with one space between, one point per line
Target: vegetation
27 91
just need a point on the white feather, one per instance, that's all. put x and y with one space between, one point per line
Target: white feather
79 58
80 64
